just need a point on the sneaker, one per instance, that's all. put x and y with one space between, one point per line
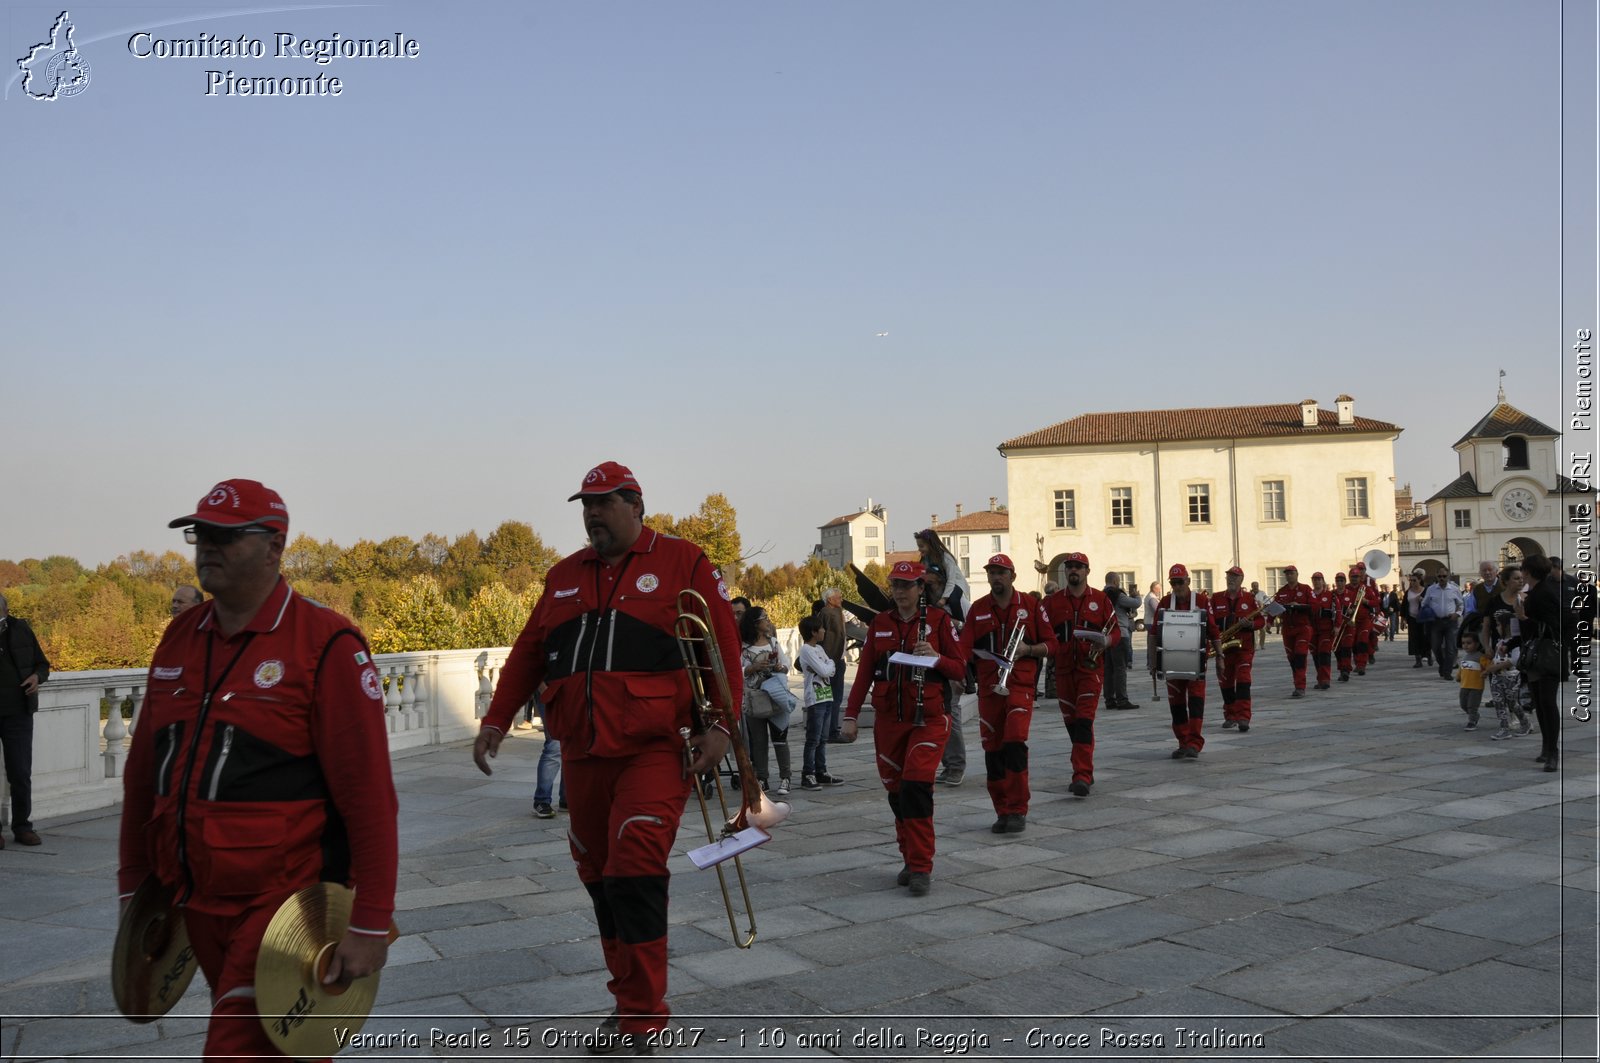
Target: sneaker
1016 824
809 782
829 780
1324 686
1078 788
1418 664
1526 728
783 788
1344 677
542 810
1228 725
1299 692
1361 671
999 824
1504 732
1191 753
1243 727
1177 754
951 777
1472 723
904 877
918 881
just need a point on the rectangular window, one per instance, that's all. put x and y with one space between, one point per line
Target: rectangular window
872 551
1272 507
1122 507
949 542
966 545
994 544
1463 518
1275 580
872 531
1128 585
966 566
1066 510
1200 579
1199 503
1355 497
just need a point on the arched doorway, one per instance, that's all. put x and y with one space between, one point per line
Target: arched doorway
1514 550
1429 568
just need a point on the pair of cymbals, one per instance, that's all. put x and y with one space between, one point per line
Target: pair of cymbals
152 961
304 1018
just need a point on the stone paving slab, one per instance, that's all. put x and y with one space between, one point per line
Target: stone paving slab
1357 854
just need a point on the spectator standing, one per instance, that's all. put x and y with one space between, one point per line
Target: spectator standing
1540 616
766 673
1152 600
1442 606
834 638
549 768
1473 668
185 597
819 696
1119 657
1418 643
23 667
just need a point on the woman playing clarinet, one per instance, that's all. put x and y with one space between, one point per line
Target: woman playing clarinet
909 727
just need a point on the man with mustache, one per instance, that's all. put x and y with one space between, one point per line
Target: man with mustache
1085 627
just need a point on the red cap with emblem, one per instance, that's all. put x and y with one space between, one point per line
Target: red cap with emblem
606 478
907 571
1235 571
1177 572
1000 561
1076 558
237 504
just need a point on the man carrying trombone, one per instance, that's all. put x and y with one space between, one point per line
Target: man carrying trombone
1008 633
909 727
601 652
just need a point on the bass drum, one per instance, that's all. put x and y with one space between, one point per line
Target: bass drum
1182 654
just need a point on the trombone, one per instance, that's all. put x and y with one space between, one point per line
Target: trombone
702 659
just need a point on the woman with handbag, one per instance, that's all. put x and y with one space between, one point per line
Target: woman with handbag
1540 616
767 698
1417 643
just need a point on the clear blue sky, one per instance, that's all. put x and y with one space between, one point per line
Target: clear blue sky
668 234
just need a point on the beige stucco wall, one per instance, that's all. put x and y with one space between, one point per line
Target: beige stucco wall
1315 535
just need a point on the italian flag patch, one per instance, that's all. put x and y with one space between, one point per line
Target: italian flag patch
361 657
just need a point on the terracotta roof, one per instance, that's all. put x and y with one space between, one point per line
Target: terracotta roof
1166 426
983 520
847 518
1506 420
1463 486
1413 523
894 556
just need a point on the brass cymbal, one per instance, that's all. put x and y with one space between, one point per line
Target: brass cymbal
305 1018
151 962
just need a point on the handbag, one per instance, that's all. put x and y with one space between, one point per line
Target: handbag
1541 658
757 704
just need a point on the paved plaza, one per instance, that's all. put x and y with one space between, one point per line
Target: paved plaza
1355 878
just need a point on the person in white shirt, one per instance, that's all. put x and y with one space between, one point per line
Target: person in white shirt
1445 603
818 697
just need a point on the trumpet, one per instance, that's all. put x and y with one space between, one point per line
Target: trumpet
702 659
1226 640
1092 658
1013 644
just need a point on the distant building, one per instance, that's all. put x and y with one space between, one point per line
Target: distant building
858 538
1508 502
973 538
1257 486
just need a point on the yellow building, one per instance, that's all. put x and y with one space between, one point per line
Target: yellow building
1257 486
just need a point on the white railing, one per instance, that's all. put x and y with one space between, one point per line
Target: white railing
85 719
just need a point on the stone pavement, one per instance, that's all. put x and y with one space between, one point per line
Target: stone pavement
1355 878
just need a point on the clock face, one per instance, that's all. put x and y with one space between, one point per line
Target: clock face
1519 503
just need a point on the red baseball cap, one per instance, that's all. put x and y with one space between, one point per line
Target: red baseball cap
1000 561
1234 571
237 504
606 478
1318 575
907 571
1177 572
1291 568
1076 558
1359 566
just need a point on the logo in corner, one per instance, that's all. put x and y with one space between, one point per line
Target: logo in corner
268 674
55 69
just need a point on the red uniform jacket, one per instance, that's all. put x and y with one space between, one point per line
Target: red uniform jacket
1091 611
260 764
1191 601
601 639
1300 601
1324 611
891 685
988 628
1227 611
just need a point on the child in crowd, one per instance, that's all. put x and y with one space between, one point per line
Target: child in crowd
1504 695
1470 670
816 676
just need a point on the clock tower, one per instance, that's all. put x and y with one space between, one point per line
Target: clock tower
1509 500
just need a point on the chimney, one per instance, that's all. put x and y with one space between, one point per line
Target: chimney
992 501
1308 413
1347 410
958 511
933 520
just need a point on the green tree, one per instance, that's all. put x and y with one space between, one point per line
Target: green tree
358 563
397 558
714 528
495 616
306 561
417 616
515 543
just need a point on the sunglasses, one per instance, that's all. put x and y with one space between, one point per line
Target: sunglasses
205 533
1074 564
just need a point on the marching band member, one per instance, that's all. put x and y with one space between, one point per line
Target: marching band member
1366 643
1185 697
909 722
1004 718
1297 601
1086 627
1234 665
1324 615
1344 601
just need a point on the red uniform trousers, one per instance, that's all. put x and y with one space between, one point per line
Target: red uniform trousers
908 758
1233 679
1187 700
1365 648
1296 644
624 819
1079 694
1346 650
225 946
1003 722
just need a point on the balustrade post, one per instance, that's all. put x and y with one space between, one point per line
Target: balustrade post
391 698
408 696
139 693
116 733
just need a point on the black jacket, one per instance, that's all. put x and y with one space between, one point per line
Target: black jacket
26 653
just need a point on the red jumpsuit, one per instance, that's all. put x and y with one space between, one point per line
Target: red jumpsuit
616 694
1295 623
908 752
1003 719
1079 670
1324 618
1356 636
260 766
1186 698
1235 666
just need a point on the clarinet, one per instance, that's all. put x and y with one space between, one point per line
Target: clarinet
919 675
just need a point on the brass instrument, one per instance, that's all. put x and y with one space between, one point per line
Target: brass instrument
1013 643
702 659
1226 640
1348 621
919 675
1092 658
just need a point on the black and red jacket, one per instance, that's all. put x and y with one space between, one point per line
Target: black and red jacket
260 764
1227 611
1090 611
988 628
1300 601
893 686
601 642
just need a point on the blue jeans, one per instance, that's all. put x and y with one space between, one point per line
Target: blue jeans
815 759
549 764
